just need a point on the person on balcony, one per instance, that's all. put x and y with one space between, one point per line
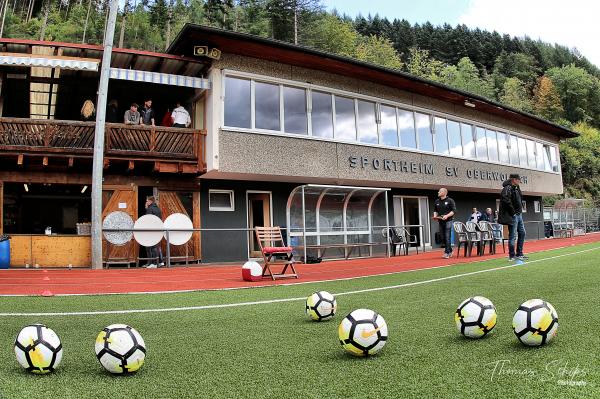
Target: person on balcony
132 116
180 116
112 113
147 113
88 111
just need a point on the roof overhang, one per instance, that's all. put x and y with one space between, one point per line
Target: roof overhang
39 60
277 51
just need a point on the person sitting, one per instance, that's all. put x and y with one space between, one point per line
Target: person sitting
475 216
88 111
488 216
180 116
132 116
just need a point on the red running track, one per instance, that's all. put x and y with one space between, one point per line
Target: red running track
121 281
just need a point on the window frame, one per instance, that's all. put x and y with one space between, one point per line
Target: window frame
221 208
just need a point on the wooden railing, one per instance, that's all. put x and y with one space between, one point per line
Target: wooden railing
54 137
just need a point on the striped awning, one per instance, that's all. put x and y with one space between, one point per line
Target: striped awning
37 60
159 78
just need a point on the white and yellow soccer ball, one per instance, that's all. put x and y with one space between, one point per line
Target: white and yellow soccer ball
321 306
120 349
363 332
38 349
475 317
535 322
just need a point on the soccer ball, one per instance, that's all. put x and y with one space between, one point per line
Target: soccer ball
120 349
363 332
535 322
38 349
475 317
251 271
321 306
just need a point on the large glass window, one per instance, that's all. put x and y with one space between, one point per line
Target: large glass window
441 136
454 138
554 158
294 110
466 131
522 151
345 122
492 144
321 115
389 126
237 102
424 132
406 124
531 153
539 155
266 103
367 124
547 164
503 144
514 150
481 143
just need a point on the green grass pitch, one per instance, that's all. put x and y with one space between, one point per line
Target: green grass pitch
272 351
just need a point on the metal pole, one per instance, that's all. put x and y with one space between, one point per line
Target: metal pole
304 223
387 227
98 163
168 248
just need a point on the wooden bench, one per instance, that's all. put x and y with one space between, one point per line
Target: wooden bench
350 246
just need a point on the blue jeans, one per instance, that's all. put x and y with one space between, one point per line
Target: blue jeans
446 230
516 227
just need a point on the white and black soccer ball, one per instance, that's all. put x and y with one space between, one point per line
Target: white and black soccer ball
120 349
38 349
535 322
321 306
475 317
363 332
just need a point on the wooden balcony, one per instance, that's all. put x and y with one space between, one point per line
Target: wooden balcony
171 149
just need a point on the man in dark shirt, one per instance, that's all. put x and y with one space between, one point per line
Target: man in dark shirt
511 208
443 212
155 252
147 113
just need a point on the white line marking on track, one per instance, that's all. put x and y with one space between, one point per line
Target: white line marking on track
270 301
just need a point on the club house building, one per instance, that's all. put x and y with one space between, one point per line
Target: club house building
331 149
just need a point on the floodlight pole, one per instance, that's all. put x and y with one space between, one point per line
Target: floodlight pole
98 164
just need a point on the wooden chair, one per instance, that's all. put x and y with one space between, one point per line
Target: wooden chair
271 246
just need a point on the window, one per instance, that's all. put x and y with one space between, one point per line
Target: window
321 115
294 110
522 145
406 124
220 200
492 144
547 164
345 122
367 125
539 155
481 143
389 126
524 204
466 132
531 161
237 103
514 150
441 136
503 147
266 99
424 132
554 158
454 138
537 207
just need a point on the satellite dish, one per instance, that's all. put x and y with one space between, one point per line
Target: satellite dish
179 221
116 221
148 238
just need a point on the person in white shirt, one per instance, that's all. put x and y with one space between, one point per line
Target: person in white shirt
475 216
180 116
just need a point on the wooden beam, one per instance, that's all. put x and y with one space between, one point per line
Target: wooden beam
20 160
71 161
131 165
45 161
166 167
106 163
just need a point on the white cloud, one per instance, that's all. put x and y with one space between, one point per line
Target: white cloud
572 23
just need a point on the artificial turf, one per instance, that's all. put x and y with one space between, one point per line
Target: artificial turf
271 350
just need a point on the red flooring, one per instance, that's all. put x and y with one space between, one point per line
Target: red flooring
86 281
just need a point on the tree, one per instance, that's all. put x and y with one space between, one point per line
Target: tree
515 94
516 65
377 50
333 35
575 87
546 100
420 64
465 76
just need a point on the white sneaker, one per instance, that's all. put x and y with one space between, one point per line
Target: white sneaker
161 264
151 266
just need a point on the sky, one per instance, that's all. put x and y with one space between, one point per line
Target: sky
572 23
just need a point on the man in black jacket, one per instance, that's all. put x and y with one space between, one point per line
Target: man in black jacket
154 252
511 208
443 211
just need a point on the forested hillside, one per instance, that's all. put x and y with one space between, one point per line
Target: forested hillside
548 80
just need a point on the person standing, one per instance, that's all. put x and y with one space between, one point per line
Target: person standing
88 111
443 211
147 114
132 116
153 253
511 208
180 116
